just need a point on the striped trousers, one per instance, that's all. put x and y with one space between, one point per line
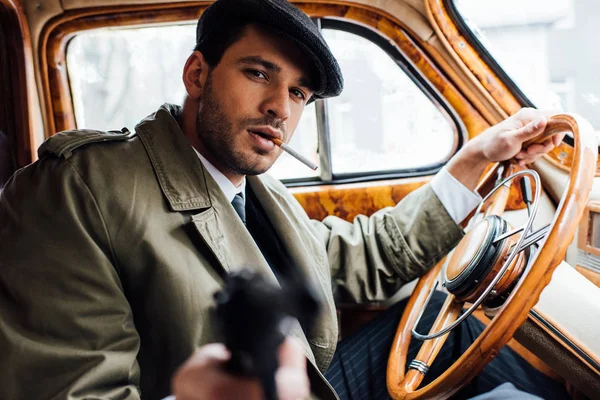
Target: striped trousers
358 368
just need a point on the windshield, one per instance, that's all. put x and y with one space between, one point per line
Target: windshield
547 47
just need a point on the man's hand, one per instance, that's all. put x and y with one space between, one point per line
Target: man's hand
502 142
203 376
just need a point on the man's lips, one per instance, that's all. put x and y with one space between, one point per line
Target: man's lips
264 142
266 132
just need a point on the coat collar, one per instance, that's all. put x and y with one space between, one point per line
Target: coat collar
180 173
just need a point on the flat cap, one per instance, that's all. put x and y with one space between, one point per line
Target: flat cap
284 19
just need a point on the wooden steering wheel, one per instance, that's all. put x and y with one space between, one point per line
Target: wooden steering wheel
487 266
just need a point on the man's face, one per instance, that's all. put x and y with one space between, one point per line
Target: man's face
258 90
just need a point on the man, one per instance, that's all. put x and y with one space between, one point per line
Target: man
114 243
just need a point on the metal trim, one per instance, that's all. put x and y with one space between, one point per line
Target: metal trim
566 341
324 142
419 366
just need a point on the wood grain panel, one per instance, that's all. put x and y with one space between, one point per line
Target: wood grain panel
458 45
17 69
347 201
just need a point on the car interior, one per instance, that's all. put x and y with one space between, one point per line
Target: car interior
423 77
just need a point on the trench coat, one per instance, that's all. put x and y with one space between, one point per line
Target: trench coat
112 245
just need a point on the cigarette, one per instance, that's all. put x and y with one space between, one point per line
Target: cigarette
295 154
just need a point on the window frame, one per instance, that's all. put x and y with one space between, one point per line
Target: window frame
485 55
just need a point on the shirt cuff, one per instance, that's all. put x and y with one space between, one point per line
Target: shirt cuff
456 198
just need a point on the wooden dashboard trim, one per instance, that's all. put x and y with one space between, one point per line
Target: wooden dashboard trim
21 70
348 201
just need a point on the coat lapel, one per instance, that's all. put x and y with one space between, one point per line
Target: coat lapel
224 233
187 186
309 256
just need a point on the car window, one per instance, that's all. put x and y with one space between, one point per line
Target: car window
119 76
546 48
384 121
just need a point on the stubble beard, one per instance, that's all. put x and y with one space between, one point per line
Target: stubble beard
217 132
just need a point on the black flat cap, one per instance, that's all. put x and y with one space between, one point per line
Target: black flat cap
284 19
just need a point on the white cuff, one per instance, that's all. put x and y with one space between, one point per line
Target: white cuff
454 196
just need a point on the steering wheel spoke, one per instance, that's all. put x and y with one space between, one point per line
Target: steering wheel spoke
509 234
430 349
535 237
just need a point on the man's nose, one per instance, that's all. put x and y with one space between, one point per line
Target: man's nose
277 104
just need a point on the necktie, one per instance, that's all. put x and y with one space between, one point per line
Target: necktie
239 206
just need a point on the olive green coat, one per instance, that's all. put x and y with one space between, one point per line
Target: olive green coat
113 244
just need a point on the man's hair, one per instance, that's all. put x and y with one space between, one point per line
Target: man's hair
214 45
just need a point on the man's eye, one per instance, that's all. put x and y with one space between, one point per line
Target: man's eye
257 74
298 93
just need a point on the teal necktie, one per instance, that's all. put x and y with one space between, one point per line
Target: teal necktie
239 205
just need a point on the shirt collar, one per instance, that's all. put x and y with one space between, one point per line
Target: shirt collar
228 188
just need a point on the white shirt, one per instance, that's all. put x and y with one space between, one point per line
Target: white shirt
454 196
228 188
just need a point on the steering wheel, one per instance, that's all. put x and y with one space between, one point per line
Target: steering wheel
490 266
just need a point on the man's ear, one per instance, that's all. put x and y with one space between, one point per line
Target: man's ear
195 73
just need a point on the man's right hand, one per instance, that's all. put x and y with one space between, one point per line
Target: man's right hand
204 376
